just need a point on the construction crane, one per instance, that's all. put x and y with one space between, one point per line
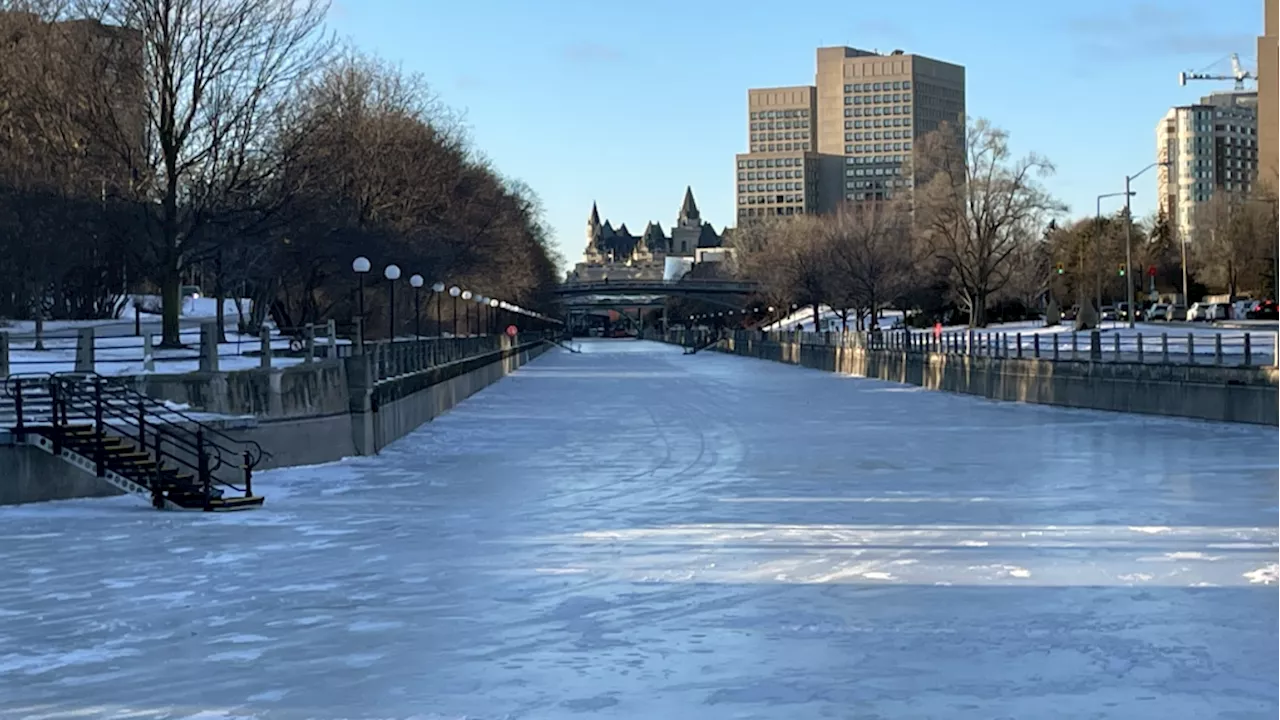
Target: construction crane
1238 74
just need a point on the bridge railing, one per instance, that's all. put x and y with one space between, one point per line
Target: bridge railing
1214 348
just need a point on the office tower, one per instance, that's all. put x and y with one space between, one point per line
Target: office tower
849 136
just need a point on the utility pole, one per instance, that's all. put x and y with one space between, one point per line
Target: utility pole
1130 311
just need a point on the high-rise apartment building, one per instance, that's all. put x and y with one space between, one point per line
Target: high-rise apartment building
1209 146
1268 80
850 136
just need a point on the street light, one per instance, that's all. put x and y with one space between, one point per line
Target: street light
391 273
483 302
437 288
466 311
1128 241
454 292
493 315
416 281
361 266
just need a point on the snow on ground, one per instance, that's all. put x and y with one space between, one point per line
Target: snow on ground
630 532
192 309
124 355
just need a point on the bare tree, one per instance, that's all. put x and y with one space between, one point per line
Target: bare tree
872 253
789 257
978 206
215 77
1237 242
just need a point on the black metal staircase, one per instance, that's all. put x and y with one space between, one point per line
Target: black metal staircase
135 442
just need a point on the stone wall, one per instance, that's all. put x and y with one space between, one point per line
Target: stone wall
1228 394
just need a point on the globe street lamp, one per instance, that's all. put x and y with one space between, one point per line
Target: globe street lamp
391 273
361 267
437 288
493 315
416 281
454 292
466 311
483 302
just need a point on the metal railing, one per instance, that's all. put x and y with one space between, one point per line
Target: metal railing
1221 349
402 357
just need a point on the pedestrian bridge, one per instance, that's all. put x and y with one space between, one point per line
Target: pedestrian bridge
658 287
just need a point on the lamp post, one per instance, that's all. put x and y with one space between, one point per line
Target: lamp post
1128 240
416 281
493 316
437 288
466 311
454 292
361 266
1097 251
391 273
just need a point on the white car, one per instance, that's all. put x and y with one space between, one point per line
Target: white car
1196 313
1217 311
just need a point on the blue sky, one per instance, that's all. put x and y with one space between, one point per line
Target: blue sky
625 103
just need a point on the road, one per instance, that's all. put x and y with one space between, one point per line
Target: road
630 532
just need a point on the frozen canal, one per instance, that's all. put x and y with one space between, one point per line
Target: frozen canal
633 533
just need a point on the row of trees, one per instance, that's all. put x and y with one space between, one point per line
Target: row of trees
978 237
144 142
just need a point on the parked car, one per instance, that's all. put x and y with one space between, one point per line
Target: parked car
1240 309
1262 310
1159 311
1217 311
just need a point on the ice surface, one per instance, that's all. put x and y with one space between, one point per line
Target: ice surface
630 532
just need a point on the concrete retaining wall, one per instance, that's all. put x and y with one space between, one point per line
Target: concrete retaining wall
29 474
1229 394
308 390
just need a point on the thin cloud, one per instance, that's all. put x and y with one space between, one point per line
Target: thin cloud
589 53
1147 29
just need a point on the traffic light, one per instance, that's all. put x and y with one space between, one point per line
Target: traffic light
1060 268
1121 270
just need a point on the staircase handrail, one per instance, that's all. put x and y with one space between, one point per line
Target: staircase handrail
163 409
124 408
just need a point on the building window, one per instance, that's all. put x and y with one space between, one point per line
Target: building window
876 87
897 85
906 85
